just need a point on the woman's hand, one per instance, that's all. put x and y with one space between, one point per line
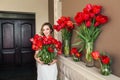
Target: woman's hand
54 61
39 61
37 58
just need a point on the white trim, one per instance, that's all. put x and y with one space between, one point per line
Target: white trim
57 15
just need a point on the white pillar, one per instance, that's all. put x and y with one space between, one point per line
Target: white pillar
57 15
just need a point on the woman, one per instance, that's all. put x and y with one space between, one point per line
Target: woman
45 71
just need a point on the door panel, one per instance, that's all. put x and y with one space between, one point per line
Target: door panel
26 28
7 42
7 35
15 46
25 35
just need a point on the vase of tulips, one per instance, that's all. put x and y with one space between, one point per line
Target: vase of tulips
105 65
66 47
65 25
75 54
104 60
89 21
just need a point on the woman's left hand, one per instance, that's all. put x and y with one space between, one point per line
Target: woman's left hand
54 61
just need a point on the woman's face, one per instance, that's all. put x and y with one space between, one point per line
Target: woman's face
46 30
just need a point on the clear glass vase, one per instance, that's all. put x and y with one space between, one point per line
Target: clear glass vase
88 56
66 47
105 70
76 59
90 63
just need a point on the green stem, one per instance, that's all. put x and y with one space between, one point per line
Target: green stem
89 49
100 63
66 47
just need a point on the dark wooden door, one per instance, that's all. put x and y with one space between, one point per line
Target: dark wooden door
15 46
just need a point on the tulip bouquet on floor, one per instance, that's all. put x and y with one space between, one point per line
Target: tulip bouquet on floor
46 47
104 60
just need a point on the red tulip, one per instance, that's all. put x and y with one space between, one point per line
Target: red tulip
105 59
78 55
88 24
73 51
34 47
50 49
101 19
95 55
96 9
88 8
79 18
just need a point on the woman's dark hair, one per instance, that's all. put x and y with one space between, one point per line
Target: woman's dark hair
48 24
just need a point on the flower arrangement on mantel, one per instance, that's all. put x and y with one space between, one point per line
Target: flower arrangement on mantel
89 22
66 26
104 60
75 54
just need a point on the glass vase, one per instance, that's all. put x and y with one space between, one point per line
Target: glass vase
88 56
66 47
105 70
90 63
76 59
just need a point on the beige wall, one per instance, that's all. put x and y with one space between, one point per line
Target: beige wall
51 11
39 7
109 38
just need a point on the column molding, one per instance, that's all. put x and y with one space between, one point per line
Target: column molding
57 14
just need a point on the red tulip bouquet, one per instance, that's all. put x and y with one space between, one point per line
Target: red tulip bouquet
89 21
75 54
46 47
65 25
104 60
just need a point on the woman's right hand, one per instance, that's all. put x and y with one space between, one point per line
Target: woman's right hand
37 58
39 61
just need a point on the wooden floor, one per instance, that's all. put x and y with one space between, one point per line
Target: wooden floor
18 73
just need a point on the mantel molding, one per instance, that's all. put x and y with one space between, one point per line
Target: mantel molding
70 70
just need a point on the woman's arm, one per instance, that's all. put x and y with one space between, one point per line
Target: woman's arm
37 58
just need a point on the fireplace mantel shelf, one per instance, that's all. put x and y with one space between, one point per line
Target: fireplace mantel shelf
70 70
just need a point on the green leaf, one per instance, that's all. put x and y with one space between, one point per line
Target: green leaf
82 37
81 49
40 53
96 35
77 43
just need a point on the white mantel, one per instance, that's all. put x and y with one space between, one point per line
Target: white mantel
70 70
